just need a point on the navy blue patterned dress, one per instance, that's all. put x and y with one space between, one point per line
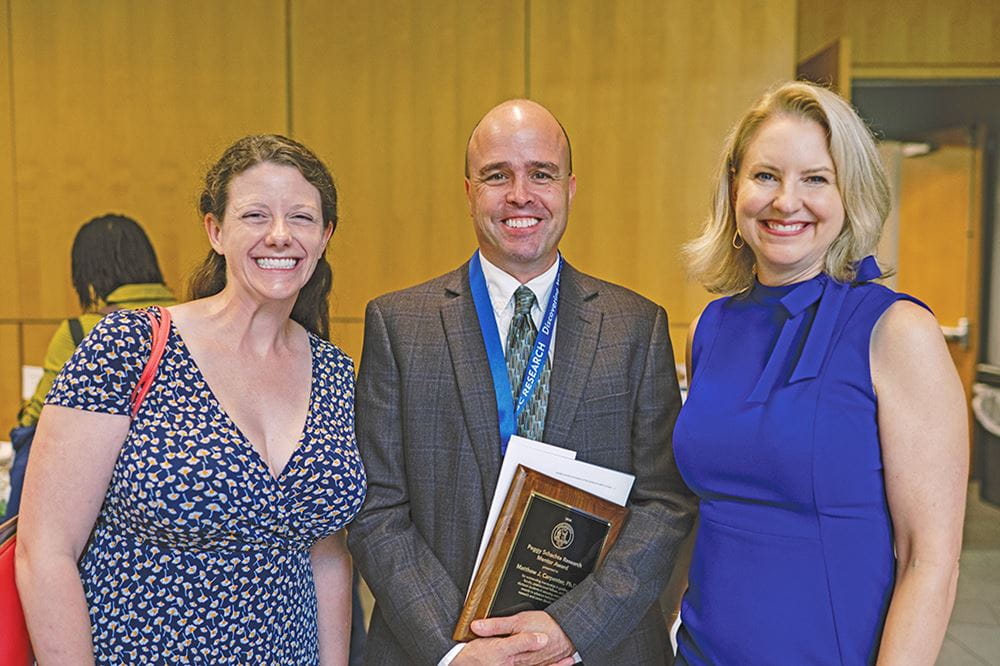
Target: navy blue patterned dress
199 554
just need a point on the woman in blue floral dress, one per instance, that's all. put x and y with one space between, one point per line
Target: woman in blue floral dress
208 528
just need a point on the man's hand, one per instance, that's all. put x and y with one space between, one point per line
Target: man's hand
530 638
517 650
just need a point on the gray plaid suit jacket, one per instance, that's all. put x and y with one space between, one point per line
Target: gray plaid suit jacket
428 433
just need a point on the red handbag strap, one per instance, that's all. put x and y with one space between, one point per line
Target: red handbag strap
161 331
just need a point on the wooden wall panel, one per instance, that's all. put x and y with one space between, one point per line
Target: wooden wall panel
647 91
35 338
119 107
389 104
349 336
926 33
8 209
10 378
9 361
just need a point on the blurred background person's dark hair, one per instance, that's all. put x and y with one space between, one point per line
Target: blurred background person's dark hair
108 252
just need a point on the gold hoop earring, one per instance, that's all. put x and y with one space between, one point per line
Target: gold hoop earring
737 237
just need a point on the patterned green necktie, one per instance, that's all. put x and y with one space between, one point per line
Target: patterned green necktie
520 342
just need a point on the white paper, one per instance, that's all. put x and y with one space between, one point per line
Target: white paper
30 376
558 463
520 451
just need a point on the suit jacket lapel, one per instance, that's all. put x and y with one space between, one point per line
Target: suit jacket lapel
472 375
577 331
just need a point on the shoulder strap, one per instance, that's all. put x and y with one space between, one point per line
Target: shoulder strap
160 332
76 331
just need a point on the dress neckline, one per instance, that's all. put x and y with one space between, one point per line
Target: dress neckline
768 295
258 453
796 298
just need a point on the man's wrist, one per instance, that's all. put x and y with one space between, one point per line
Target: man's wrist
452 653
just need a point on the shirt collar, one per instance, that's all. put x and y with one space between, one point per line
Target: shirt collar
501 285
141 293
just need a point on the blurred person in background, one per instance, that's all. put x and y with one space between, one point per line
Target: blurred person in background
113 267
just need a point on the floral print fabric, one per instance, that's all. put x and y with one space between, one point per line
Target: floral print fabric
199 554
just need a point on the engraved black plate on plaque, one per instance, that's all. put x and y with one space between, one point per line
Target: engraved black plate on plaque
548 537
555 548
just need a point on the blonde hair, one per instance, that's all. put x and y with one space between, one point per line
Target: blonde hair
724 269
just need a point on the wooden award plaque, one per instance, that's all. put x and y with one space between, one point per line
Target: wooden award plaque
548 538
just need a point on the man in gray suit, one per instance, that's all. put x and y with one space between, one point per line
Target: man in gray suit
432 421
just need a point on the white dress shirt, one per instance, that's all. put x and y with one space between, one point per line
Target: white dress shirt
501 287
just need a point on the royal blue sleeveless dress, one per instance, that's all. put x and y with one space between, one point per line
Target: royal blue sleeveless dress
793 561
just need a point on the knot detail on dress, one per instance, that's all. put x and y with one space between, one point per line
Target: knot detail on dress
830 293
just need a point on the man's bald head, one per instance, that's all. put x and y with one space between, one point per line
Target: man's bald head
520 186
513 113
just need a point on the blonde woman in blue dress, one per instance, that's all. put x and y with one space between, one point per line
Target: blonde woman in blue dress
825 431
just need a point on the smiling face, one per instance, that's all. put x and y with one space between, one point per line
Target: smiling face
788 207
519 187
272 234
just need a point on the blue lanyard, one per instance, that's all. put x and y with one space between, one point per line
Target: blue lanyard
506 409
